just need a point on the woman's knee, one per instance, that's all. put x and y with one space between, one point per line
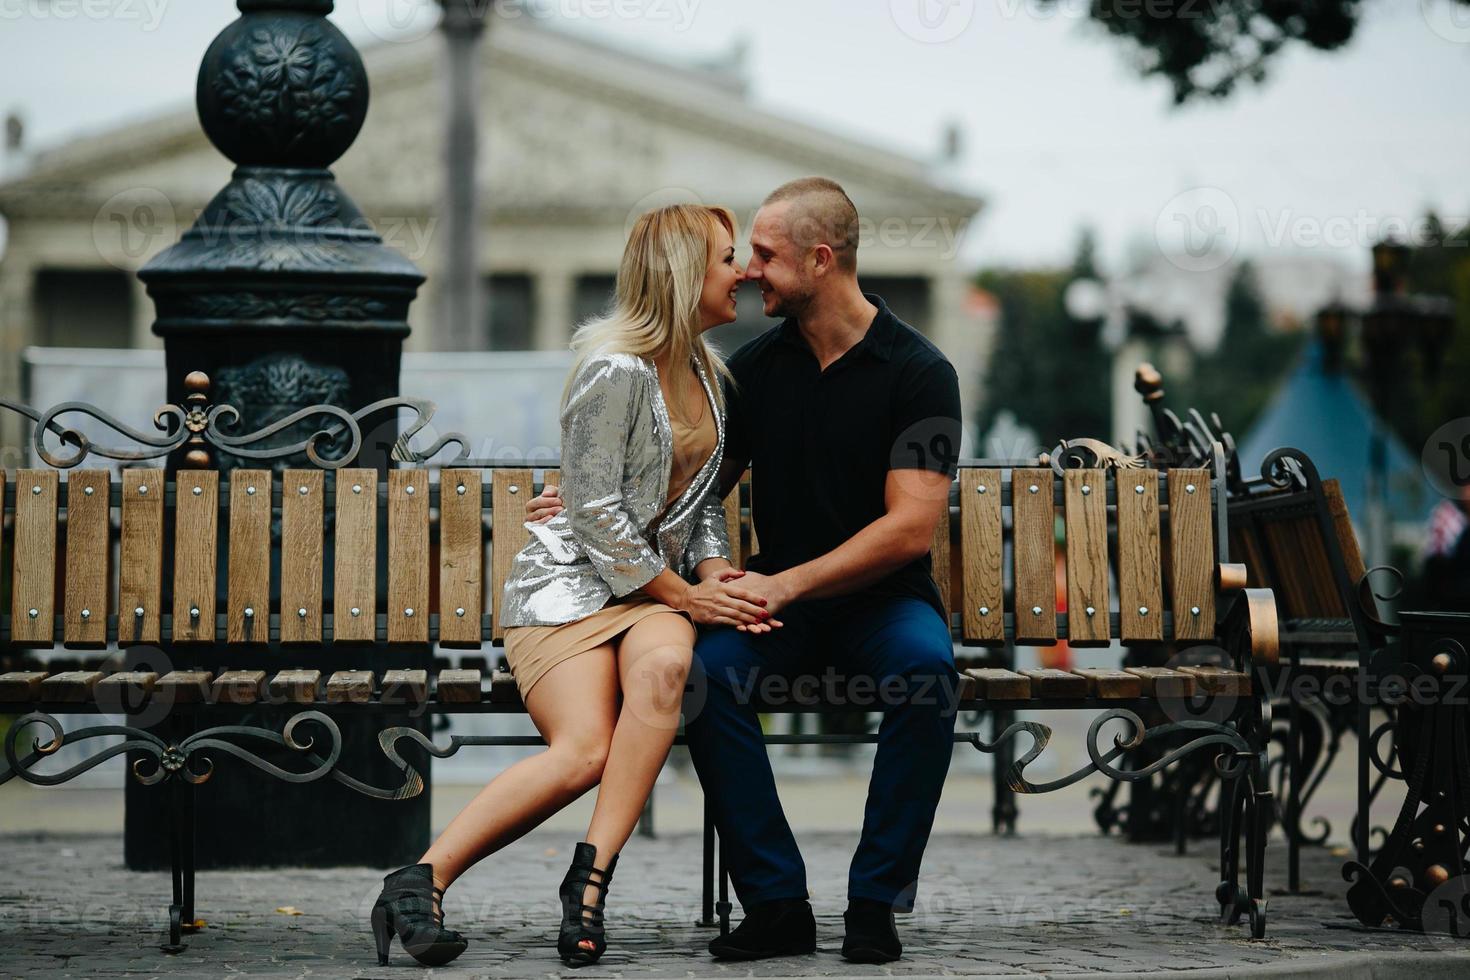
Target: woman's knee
583 757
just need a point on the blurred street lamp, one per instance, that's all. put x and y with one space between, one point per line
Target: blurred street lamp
461 317
1397 321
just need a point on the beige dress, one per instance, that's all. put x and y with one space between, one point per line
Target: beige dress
533 650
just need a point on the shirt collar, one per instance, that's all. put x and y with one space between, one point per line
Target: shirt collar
878 341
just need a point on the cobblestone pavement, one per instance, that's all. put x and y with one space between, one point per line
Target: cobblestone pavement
1026 906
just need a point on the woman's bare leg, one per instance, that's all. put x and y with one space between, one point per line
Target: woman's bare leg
653 664
574 706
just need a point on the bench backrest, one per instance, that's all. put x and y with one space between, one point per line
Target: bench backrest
1280 539
88 555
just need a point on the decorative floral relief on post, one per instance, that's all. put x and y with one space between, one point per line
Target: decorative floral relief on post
286 86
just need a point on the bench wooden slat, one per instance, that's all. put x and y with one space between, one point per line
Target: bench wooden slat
461 558
1140 579
1347 538
140 572
1217 680
301 555
70 686
350 686
732 526
1033 542
459 686
196 530
405 687
1049 683
299 686
125 689
1305 582
980 554
88 558
249 571
1085 495
238 687
33 585
503 688
1192 554
509 490
355 564
1110 684
20 685
998 684
1164 682
408 556
185 686
939 569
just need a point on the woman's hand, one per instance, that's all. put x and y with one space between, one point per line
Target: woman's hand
543 508
716 601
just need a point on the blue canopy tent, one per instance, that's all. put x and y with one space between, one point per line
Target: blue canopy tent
1321 412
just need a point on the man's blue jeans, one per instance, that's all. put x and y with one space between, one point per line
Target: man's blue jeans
882 653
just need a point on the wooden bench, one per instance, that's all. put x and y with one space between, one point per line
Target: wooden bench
1291 529
88 562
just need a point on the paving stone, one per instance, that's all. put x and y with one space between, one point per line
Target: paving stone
1025 906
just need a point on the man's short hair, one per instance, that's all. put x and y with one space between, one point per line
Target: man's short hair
821 212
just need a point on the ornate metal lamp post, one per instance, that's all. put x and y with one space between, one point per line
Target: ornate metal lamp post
286 297
282 292
1396 322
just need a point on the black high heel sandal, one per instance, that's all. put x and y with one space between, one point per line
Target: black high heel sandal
411 906
581 922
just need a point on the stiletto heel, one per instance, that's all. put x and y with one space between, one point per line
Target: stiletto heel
581 922
412 907
382 934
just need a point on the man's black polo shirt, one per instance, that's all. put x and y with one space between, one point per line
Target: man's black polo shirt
820 443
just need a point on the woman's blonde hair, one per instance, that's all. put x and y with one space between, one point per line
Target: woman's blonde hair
655 307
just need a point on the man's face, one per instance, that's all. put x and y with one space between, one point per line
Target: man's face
777 265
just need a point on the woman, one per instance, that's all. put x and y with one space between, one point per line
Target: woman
599 607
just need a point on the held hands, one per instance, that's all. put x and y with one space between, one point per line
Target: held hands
715 601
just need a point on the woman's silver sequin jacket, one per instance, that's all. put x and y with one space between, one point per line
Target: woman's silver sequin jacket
617 451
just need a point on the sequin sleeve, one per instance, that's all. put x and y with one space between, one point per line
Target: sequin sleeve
595 425
710 536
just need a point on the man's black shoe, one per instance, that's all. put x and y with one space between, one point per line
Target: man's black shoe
784 927
871 935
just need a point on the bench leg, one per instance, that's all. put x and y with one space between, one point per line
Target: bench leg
177 844
1003 814
1228 894
707 907
645 819
722 907
1258 816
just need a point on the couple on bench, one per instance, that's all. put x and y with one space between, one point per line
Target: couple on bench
849 420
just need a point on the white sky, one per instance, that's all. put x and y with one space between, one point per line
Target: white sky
1058 130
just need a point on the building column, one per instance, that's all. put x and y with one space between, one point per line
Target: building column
16 325
142 333
958 334
553 298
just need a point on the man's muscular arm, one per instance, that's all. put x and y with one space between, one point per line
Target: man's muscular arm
915 501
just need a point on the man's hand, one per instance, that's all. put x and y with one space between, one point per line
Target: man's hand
541 509
773 588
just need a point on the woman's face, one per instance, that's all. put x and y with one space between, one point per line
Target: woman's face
722 278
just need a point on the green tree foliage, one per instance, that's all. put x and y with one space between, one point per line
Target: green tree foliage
1238 378
1048 369
1204 48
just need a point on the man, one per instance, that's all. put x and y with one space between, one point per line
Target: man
849 420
